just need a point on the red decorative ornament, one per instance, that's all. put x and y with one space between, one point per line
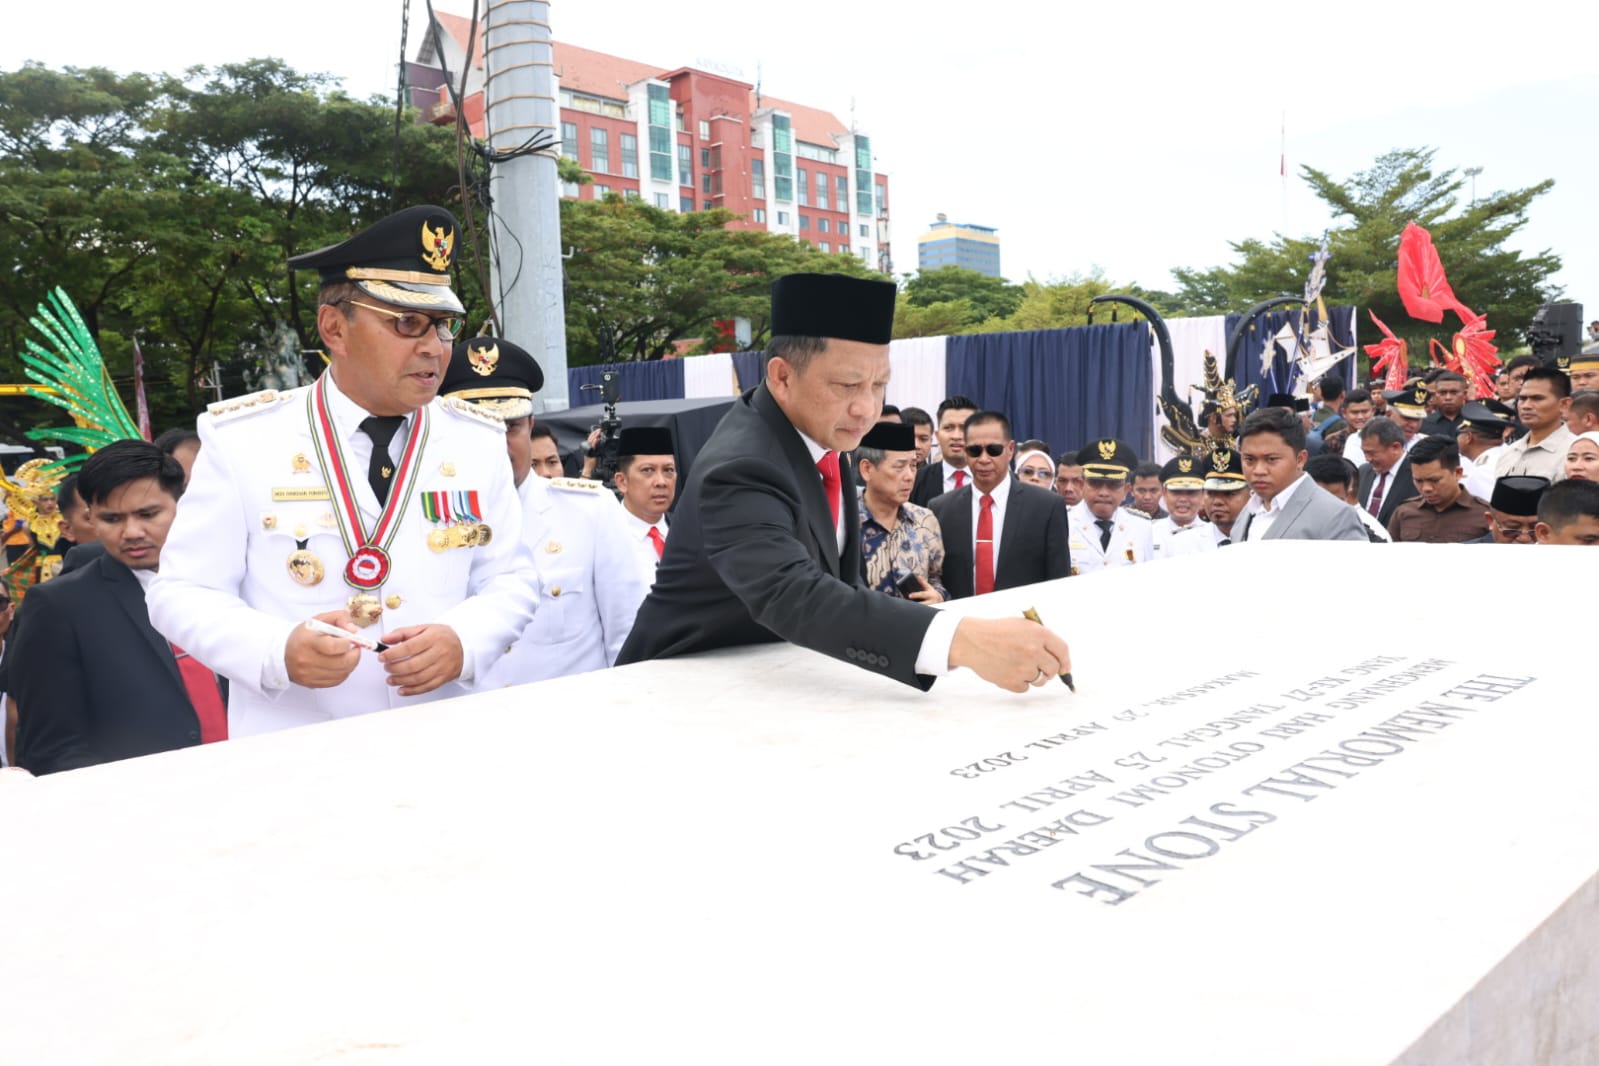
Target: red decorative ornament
368 568
1422 284
1390 358
1472 354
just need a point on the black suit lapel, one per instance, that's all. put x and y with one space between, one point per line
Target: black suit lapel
1014 543
813 499
958 546
129 596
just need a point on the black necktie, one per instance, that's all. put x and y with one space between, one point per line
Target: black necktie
1224 542
1104 525
381 469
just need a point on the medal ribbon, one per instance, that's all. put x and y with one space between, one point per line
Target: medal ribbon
336 475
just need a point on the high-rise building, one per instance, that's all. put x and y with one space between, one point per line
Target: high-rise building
687 139
949 243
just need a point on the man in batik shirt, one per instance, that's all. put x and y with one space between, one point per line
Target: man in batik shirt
902 548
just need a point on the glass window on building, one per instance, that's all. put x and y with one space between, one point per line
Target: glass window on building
662 201
866 230
759 215
782 218
804 185
629 156
805 222
822 224
758 178
782 158
601 191
569 140
825 246
600 151
630 194
705 182
685 204
821 190
660 116
882 199
685 165
705 205
842 185
863 175
705 130
705 159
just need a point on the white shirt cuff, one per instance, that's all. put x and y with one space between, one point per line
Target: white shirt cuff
933 658
275 669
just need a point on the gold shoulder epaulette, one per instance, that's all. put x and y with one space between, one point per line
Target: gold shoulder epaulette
576 484
238 406
471 411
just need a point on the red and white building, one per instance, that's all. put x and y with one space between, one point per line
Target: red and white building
686 139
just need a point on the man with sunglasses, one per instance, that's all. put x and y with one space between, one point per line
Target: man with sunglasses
361 500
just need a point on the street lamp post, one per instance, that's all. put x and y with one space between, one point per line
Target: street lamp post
1472 172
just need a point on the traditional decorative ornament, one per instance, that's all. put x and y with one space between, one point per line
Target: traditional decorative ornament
304 567
364 609
302 464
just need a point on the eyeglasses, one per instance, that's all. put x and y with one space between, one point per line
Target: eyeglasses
995 450
414 324
1514 532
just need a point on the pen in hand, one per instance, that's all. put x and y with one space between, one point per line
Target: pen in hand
1031 614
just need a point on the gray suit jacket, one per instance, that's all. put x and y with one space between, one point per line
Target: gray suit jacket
1312 513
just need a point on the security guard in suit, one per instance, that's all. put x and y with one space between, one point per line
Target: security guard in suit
591 579
362 501
1183 481
1102 533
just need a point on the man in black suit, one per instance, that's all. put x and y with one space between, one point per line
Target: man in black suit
1385 480
94 681
998 532
765 544
950 472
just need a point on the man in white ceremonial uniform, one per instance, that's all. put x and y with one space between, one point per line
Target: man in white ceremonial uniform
591 577
646 478
1182 481
1481 443
362 501
1101 533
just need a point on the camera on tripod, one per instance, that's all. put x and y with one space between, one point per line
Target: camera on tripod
610 427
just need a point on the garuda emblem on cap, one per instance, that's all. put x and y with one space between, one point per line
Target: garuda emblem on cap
1107 449
1220 460
437 244
1185 464
1421 392
484 360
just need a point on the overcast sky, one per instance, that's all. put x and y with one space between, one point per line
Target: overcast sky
1131 142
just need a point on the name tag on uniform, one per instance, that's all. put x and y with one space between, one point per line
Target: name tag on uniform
292 494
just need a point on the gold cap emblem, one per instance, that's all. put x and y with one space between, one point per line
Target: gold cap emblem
1185 464
483 360
1220 460
1107 449
437 244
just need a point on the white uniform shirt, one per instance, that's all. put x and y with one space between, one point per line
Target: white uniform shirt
591 582
638 534
1131 540
1170 540
257 495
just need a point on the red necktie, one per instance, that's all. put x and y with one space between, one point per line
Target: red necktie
1376 496
985 546
960 479
201 684
659 542
828 465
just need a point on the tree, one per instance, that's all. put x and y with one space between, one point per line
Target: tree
987 296
1370 211
1057 304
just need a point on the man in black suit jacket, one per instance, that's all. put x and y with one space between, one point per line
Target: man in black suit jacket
935 479
766 542
1028 523
1383 443
94 681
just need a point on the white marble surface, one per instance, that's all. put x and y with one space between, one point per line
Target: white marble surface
694 860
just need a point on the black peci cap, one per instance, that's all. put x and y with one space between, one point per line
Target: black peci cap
890 437
1518 496
645 440
833 305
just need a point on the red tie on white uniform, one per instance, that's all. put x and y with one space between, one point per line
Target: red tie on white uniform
659 542
827 465
960 479
985 545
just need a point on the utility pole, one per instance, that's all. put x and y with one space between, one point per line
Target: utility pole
519 104
1472 172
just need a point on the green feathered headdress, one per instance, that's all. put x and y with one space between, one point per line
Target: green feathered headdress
73 376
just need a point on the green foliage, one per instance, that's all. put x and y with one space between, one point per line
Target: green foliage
986 296
641 279
1370 210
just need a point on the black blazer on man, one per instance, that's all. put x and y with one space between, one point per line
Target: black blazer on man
930 483
1400 488
1032 542
94 681
753 558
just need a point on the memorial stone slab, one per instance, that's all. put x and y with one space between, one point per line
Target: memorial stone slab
1267 829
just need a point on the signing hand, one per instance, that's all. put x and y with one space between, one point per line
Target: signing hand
315 660
421 658
1009 652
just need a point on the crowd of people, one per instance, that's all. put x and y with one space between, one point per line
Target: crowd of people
402 530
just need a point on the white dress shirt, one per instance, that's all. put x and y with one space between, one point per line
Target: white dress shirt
949 476
1265 513
639 531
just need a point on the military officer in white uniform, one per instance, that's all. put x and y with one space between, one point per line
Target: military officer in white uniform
1182 482
591 577
1101 532
646 477
362 501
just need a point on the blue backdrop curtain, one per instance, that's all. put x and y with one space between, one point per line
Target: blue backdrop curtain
1281 376
656 379
750 368
1064 386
